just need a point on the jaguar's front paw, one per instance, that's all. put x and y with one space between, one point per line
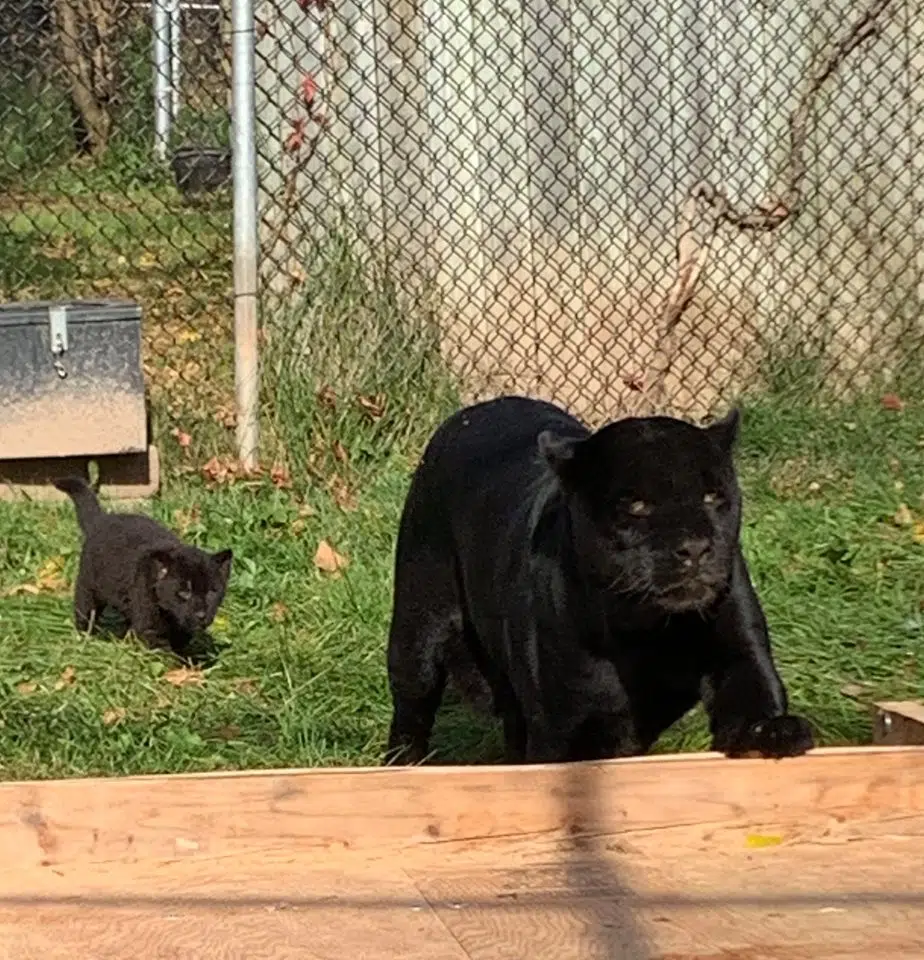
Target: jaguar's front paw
773 738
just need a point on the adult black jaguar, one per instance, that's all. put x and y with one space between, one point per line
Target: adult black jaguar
592 582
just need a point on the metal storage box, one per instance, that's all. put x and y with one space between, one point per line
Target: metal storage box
71 383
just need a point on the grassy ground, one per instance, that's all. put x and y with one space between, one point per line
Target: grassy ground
353 385
834 533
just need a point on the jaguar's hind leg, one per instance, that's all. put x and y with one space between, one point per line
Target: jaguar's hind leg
86 608
426 619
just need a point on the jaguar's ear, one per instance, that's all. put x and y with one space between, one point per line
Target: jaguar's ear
555 449
725 431
558 452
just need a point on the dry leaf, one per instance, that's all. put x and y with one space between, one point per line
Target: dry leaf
758 840
246 685
340 491
226 469
328 560
340 452
304 511
374 405
279 475
918 532
183 439
147 260
66 679
903 516
278 612
226 415
50 579
113 715
26 688
855 690
326 397
185 520
188 336
185 677
891 401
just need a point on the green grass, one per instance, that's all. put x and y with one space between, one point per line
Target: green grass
300 678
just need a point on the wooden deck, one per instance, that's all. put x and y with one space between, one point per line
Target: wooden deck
679 858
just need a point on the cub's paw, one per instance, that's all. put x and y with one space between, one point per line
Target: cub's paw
774 738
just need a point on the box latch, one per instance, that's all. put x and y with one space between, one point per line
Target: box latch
57 320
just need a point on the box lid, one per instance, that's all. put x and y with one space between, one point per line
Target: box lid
35 312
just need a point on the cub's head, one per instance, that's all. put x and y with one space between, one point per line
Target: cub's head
655 507
189 584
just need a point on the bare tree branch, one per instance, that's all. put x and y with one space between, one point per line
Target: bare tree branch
707 206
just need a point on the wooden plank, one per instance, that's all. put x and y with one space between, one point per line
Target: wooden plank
899 723
679 858
444 812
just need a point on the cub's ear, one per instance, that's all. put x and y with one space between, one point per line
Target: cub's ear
725 431
222 561
557 451
159 564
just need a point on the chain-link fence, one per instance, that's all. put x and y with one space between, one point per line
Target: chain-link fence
616 205
94 203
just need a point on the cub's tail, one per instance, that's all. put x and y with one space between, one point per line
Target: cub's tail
88 508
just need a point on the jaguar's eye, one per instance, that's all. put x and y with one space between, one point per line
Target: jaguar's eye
638 508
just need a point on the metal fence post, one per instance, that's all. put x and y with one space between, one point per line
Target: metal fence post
176 63
246 350
162 98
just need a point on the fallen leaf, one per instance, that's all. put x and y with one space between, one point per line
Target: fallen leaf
326 397
374 405
114 715
246 685
328 560
147 260
903 516
855 690
185 677
340 491
918 533
891 401
340 452
188 336
758 840
226 416
66 679
183 439
21 588
279 475
226 469
26 688
185 520
51 578
278 612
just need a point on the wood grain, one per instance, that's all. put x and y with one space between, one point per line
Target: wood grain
447 810
676 858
